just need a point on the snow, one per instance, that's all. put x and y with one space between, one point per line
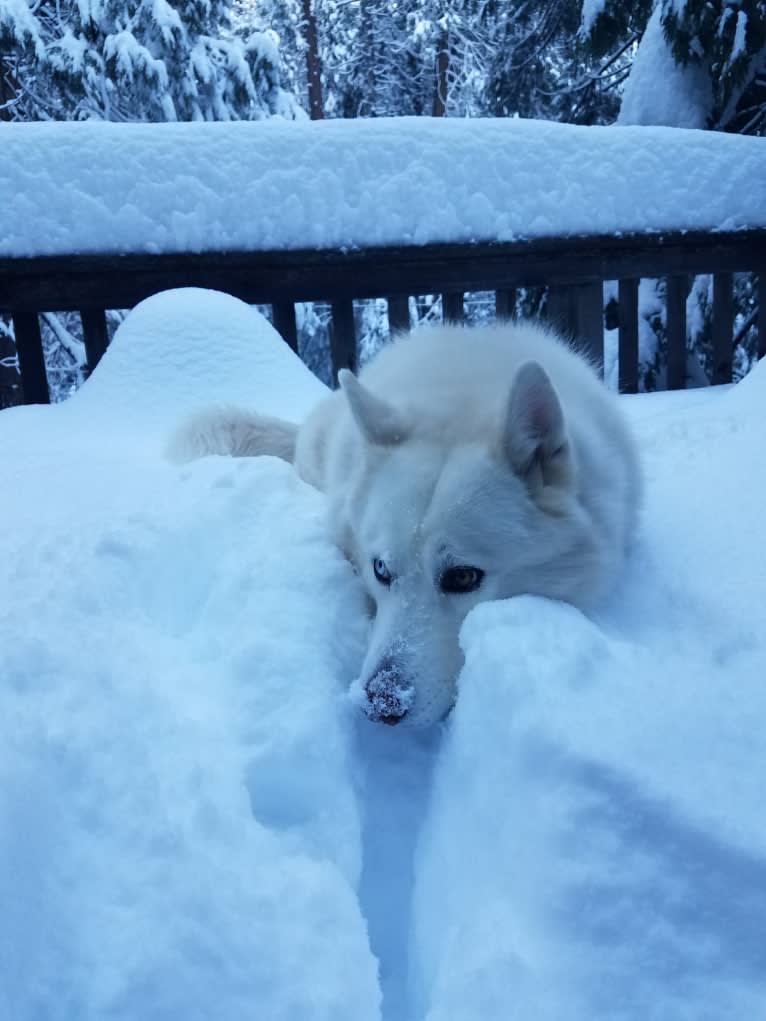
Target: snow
740 37
196 820
591 12
660 91
86 187
17 22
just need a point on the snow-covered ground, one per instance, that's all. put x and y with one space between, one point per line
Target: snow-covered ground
194 821
202 186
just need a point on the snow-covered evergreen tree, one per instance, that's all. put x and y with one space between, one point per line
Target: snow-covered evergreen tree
381 58
725 40
685 98
564 59
709 55
139 60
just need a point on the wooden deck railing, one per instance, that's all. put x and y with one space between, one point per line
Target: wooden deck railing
575 267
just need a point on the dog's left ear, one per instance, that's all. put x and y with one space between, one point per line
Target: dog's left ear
378 421
534 433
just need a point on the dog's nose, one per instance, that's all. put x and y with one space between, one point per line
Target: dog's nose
389 695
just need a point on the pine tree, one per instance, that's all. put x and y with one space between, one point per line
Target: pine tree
727 39
558 61
713 50
139 60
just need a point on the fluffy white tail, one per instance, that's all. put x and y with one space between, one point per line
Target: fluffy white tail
234 433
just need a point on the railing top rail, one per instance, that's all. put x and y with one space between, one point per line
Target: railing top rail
80 281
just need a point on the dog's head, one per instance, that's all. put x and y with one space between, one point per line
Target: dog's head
436 526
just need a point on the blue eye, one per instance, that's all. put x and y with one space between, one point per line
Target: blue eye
382 572
458 580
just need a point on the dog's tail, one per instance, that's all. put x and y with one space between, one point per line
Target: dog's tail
234 433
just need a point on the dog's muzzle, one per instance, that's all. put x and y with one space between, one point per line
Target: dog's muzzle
389 694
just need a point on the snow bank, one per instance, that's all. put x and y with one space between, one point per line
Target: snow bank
179 834
195 823
184 348
271 185
596 841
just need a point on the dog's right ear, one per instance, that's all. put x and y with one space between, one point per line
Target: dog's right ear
378 422
534 433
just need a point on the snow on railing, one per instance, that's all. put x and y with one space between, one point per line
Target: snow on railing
98 187
102 215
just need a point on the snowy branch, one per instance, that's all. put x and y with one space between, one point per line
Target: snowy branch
73 347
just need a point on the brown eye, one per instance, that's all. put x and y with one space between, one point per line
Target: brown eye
457 580
381 571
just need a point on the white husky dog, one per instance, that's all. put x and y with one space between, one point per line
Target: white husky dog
462 465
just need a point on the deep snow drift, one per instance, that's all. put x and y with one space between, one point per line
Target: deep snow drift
194 820
387 181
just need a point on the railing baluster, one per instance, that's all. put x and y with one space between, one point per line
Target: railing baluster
29 344
95 335
676 331
589 313
452 307
560 310
723 306
505 303
283 315
342 337
628 335
398 313
556 266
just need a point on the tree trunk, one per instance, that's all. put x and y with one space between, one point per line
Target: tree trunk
8 87
442 70
313 63
10 380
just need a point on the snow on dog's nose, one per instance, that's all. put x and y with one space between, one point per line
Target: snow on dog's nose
389 694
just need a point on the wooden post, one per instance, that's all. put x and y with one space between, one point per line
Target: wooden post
628 335
398 314
505 303
452 307
590 320
283 316
342 337
723 315
95 335
29 344
11 392
559 310
676 331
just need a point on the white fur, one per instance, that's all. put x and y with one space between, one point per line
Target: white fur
496 448
234 433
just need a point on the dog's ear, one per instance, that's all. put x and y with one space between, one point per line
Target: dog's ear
379 422
534 433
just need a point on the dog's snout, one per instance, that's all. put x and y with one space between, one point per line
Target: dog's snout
389 694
